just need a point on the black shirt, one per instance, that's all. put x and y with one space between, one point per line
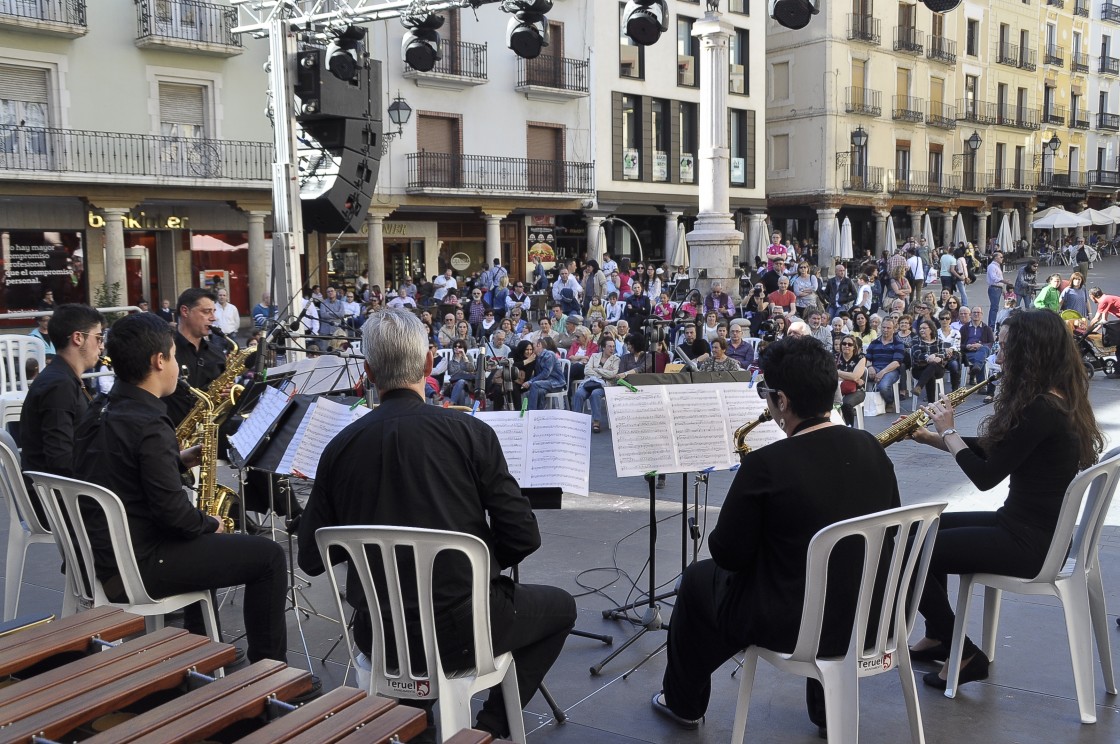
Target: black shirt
697 348
409 464
199 367
128 446
54 404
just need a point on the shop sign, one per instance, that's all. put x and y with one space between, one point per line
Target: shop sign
542 220
542 244
460 261
142 221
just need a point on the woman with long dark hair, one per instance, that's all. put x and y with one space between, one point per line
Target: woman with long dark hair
1041 432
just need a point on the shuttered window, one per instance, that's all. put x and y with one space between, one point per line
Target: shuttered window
438 134
544 143
182 110
24 105
26 84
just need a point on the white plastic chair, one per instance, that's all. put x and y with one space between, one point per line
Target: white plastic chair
14 350
54 490
559 399
11 407
453 692
865 657
24 530
1072 574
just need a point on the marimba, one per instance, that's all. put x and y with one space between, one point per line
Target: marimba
68 678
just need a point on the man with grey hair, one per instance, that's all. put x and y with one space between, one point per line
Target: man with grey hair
392 467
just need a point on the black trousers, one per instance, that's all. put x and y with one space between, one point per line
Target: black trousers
927 377
214 561
700 642
976 542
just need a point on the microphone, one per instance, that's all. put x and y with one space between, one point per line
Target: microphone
294 325
688 362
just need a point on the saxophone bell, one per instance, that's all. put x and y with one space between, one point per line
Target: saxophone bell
741 433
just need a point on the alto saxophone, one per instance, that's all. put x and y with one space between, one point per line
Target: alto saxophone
920 418
741 433
213 499
189 429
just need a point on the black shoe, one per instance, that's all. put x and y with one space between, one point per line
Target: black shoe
940 652
976 669
822 732
315 691
659 705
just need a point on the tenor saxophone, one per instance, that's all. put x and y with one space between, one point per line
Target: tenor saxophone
741 433
920 418
213 499
189 429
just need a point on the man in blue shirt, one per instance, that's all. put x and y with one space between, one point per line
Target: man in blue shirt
549 376
884 357
263 311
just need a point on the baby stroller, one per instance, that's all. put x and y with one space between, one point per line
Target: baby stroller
1098 350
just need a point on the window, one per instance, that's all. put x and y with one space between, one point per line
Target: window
972 38
24 115
1074 106
1102 158
688 53
936 161
779 152
739 6
741 142
1074 160
779 83
739 55
902 161
902 82
662 138
440 142
1047 101
631 57
859 73
938 25
971 85
1001 158
906 16
183 120
631 139
544 149
689 122
1103 102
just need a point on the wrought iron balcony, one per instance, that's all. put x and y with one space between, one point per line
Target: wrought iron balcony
1110 12
1062 181
1053 55
1079 62
1028 59
1079 119
130 158
187 24
909 39
553 77
1056 114
1020 117
1108 122
1007 53
1104 178
1056 3
870 180
943 115
907 108
1013 179
865 28
462 64
975 183
1081 8
1110 66
942 50
863 101
977 112
922 182
437 172
55 17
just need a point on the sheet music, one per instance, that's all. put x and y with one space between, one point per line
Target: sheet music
285 466
264 414
699 426
545 449
317 430
513 434
742 405
641 430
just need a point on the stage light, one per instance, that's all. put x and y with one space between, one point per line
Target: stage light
794 14
527 32
346 54
421 45
645 20
941 6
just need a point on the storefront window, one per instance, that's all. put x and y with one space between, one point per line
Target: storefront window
222 259
35 261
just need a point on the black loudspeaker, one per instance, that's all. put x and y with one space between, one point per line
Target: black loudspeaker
340 148
794 14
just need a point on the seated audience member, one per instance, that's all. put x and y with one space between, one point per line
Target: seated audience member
884 358
851 368
976 344
719 361
719 301
600 371
739 349
460 377
548 375
751 591
783 297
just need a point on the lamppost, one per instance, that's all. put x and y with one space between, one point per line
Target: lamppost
859 142
399 113
1052 145
973 143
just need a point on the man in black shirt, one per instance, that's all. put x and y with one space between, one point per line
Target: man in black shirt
57 399
201 357
392 467
697 349
128 446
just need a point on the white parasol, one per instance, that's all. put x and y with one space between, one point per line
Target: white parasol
1059 220
845 248
1016 231
1113 212
1097 217
927 231
679 256
1003 238
890 241
959 235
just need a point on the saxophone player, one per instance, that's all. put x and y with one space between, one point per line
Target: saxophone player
201 357
128 445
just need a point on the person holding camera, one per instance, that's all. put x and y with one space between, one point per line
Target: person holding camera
757 307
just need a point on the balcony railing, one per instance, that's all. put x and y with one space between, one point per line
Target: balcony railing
461 59
1062 181
1028 59
1110 66
871 180
908 39
907 108
437 171
1020 117
1056 114
1110 12
558 73
864 28
187 24
977 112
45 15
1104 178
943 115
1079 62
1081 8
1013 179
975 183
1007 53
863 101
942 50
1079 119
98 154
1108 122
922 182
1053 55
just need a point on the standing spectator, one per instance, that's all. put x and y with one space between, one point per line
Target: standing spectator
1082 258
332 313
1050 296
168 314
539 277
947 266
638 307
229 319
997 286
961 273
1108 306
775 251
1075 297
1025 283
444 284
41 332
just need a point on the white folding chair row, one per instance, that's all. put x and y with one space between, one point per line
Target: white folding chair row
15 350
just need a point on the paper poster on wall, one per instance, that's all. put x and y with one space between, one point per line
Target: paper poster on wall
542 244
38 261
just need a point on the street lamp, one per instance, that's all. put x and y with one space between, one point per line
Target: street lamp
973 144
859 137
399 113
1052 145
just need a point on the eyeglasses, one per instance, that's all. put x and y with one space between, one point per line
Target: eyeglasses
763 391
846 343
946 317
99 337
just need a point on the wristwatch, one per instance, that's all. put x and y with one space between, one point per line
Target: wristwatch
947 432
